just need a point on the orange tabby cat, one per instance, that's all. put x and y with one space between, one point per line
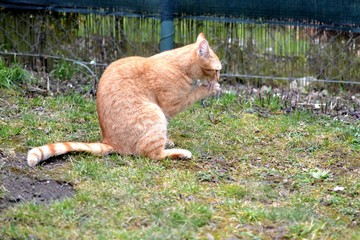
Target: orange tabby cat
136 96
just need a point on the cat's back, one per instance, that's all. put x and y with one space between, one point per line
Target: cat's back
125 82
124 68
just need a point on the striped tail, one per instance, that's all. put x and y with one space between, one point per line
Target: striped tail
39 154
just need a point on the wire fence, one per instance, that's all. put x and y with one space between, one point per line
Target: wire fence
251 52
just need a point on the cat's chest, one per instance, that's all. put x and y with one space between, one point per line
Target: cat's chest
174 99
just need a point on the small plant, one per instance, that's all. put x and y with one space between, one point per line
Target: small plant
307 230
319 174
251 214
269 101
64 70
228 98
13 76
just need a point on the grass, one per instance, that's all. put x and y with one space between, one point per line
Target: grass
253 176
11 77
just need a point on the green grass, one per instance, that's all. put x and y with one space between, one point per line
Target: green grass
11 77
253 176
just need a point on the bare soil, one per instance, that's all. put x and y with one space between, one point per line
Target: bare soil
24 184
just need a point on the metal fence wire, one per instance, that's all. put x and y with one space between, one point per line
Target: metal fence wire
249 51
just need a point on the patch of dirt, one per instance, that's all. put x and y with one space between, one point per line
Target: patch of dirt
20 183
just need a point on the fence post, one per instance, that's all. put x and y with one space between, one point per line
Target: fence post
167 26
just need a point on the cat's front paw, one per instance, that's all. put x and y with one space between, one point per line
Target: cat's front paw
214 87
169 144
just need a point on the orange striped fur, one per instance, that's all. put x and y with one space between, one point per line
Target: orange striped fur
38 154
136 96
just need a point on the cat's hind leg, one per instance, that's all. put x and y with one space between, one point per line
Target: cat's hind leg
153 144
154 139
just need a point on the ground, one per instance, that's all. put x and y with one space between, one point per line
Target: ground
265 166
24 184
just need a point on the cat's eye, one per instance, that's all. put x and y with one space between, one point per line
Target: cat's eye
210 70
213 73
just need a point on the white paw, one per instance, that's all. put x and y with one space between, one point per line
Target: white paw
217 87
169 144
176 153
214 87
185 154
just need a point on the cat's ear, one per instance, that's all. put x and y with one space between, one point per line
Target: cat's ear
203 48
200 38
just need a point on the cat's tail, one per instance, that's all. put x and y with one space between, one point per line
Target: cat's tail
39 154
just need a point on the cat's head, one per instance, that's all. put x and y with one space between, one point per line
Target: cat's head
208 63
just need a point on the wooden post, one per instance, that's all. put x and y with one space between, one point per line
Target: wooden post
167 26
